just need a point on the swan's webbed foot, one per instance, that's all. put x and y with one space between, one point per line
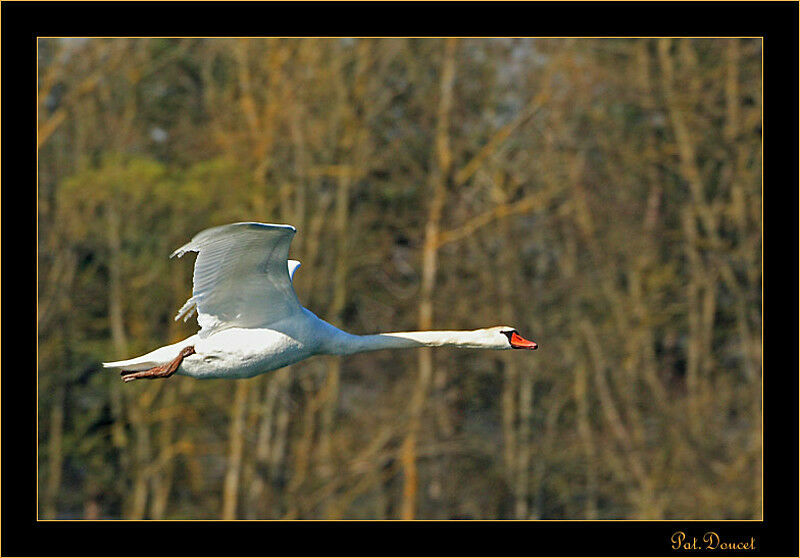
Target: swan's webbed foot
163 371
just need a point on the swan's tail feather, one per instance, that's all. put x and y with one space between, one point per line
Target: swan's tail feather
160 356
132 364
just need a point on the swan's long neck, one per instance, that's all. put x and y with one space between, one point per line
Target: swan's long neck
345 343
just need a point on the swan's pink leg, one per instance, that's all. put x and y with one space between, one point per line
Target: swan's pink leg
164 371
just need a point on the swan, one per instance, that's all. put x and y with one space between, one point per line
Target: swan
251 321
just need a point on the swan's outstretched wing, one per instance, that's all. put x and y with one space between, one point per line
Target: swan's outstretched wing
241 276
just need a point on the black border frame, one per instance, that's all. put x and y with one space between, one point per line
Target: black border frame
22 22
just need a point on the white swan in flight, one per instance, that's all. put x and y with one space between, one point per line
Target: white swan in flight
251 321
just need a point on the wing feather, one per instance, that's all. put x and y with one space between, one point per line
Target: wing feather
241 276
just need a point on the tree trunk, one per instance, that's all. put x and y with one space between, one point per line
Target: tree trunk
438 188
230 491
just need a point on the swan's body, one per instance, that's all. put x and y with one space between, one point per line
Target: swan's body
251 321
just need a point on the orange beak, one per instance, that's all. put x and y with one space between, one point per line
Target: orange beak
519 342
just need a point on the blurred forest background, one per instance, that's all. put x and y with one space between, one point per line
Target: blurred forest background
602 195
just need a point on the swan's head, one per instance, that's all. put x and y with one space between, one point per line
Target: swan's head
507 337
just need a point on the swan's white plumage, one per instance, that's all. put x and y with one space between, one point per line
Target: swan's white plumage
293 265
252 322
241 278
